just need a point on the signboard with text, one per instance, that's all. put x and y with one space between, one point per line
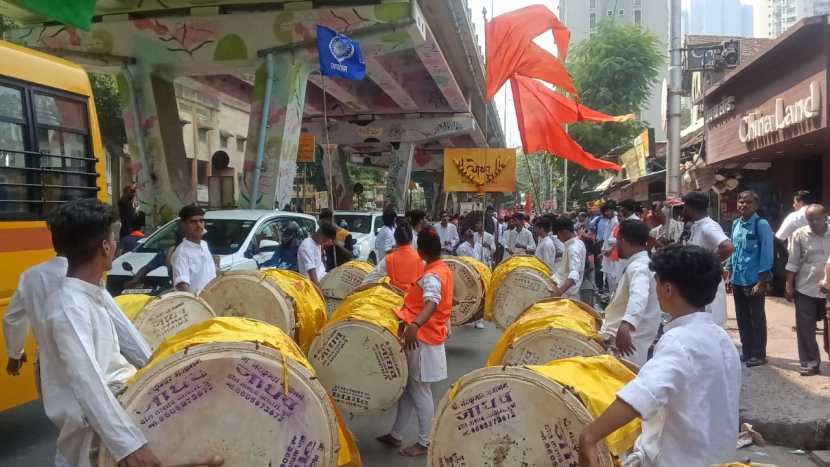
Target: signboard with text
634 160
480 170
305 149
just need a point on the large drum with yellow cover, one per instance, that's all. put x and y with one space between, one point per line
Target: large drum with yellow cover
551 329
158 318
517 283
276 296
235 392
530 415
342 280
358 356
471 284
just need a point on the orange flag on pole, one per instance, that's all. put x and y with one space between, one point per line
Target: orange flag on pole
541 127
509 37
568 110
537 62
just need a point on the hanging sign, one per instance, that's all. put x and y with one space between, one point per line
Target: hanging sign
480 170
305 149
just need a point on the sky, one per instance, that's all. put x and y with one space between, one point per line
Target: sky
497 7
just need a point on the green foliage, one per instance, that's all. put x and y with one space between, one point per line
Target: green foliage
108 106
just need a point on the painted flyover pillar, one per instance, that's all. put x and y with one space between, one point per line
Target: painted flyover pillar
397 179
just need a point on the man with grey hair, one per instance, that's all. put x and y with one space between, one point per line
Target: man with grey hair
748 271
809 250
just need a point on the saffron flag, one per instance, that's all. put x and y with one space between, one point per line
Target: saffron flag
567 110
536 62
76 13
541 128
339 55
509 36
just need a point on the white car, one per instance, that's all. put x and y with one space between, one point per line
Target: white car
238 239
363 226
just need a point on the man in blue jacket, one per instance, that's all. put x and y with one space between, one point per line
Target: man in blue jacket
748 271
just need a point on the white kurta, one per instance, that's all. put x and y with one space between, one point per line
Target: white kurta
384 241
709 235
519 242
688 396
546 252
794 221
473 251
634 301
572 267
428 363
310 258
448 235
488 247
80 366
193 265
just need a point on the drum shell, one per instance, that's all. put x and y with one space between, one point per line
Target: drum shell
166 315
471 281
520 289
343 280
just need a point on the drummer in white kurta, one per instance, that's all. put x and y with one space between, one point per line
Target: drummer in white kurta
487 242
193 265
448 233
708 234
469 247
632 318
81 361
546 250
571 271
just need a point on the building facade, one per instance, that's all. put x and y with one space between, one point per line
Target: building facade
720 17
773 17
583 17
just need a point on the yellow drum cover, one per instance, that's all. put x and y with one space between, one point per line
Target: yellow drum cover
161 317
276 296
551 329
238 389
358 356
527 416
517 283
471 279
342 280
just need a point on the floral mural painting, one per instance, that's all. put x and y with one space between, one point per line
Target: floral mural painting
184 36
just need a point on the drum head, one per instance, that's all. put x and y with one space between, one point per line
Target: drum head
170 314
341 281
361 364
250 294
520 289
541 346
468 291
229 400
509 416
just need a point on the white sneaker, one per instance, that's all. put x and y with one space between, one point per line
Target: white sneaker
479 324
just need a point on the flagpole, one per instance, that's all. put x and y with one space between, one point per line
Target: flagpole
327 151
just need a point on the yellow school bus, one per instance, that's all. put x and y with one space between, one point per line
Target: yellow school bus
50 152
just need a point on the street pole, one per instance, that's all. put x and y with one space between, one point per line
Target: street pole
565 194
674 89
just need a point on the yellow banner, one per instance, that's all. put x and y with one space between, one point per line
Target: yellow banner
480 170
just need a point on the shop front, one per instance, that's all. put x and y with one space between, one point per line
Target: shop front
766 123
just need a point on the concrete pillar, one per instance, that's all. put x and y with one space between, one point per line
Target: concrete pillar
154 136
337 177
279 164
400 171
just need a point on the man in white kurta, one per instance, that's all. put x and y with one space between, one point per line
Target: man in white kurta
193 265
632 318
546 250
487 242
448 233
519 240
571 272
796 219
310 255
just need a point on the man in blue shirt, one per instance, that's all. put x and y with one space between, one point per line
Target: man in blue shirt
748 271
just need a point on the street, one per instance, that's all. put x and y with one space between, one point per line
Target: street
29 438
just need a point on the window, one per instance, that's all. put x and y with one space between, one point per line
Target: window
637 2
223 141
622 12
610 12
203 135
240 144
592 20
44 151
638 17
592 4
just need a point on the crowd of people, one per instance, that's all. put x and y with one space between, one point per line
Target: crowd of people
660 273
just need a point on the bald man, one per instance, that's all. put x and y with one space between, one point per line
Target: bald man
809 251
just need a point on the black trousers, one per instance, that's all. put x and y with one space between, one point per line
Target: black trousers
752 322
808 310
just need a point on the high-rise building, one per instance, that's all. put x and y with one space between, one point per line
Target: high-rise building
583 17
720 18
783 14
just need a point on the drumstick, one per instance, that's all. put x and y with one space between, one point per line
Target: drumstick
215 461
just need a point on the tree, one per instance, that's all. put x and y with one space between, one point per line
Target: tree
615 71
109 109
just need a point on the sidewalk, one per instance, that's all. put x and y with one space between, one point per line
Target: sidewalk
786 408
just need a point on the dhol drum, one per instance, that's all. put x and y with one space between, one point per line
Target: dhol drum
342 280
358 356
551 329
517 283
276 296
158 318
529 415
235 392
471 279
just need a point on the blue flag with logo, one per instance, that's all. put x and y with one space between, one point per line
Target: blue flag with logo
339 55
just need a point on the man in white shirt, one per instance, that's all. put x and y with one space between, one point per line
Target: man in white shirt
796 219
385 238
193 265
81 363
688 394
571 270
418 220
519 240
469 247
546 250
632 318
310 256
608 241
448 233
670 230
487 242
708 234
